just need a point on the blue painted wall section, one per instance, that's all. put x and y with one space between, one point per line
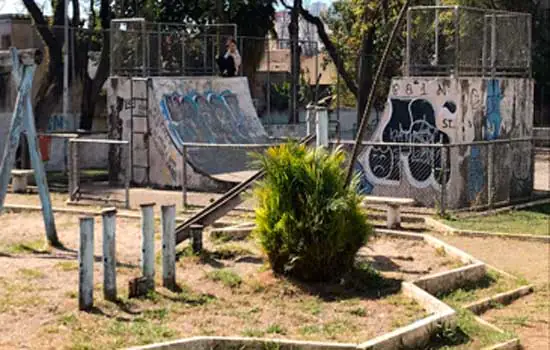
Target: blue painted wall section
491 131
365 187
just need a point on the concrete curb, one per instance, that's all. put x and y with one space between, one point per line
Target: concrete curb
447 281
481 306
446 229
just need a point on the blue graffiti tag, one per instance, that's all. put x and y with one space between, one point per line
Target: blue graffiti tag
476 174
493 119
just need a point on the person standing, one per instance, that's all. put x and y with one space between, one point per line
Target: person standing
230 63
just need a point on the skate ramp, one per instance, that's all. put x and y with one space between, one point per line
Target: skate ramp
217 110
201 110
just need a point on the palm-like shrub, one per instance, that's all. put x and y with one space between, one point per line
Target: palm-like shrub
307 221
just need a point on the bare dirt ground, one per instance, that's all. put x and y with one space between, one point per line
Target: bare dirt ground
226 291
528 317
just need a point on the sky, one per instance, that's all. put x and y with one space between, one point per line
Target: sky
16 6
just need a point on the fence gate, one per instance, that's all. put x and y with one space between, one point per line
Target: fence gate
140 132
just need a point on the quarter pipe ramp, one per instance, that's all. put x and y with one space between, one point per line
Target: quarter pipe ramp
179 110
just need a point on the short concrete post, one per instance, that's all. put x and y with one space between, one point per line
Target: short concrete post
321 121
148 242
86 264
394 216
196 238
168 219
109 254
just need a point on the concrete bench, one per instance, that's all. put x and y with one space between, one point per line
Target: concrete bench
19 179
393 208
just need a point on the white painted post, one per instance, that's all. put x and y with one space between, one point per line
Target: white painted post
109 254
309 119
321 121
86 264
148 242
394 217
168 219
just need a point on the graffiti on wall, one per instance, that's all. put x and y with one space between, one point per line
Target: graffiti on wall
492 126
209 117
412 120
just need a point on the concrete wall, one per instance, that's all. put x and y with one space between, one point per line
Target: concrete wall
452 111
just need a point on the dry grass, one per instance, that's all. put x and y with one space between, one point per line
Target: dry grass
226 291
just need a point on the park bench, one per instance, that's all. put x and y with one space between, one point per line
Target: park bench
393 208
19 179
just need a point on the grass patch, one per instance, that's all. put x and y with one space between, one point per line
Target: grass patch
493 283
230 251
227 277
31 247
275 329
532 221
67 265
469 334
31 273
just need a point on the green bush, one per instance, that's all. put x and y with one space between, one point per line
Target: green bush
307 221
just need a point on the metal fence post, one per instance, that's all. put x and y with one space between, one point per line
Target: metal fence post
168 219
408 48
86 264
184 176
443 201
109 254
127 179
493 45
457 41
490 179
148 243
70 170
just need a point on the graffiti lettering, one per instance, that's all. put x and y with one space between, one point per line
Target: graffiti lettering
441 90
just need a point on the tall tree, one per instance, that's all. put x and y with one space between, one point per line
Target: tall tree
51 85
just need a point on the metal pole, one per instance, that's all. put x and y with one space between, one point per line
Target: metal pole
86 264
490 175
436 57
408 48
168 219
159 47
443 201
269 79
529 46
484 47
66 60
127 179
493 45
184 176
457 41
70 170
148 243
109 254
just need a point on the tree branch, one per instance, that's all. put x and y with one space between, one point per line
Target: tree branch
331 49
45 32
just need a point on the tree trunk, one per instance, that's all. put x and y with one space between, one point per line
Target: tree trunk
294 33
365 72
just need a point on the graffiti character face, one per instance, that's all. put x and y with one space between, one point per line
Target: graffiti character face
381 161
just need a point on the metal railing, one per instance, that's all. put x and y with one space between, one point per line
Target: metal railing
473 175
466 41
75 191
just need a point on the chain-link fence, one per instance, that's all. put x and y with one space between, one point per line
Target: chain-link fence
464 41
475 175
142 48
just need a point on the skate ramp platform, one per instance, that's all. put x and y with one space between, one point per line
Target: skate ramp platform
187 110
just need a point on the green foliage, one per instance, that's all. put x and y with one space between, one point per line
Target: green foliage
308 222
